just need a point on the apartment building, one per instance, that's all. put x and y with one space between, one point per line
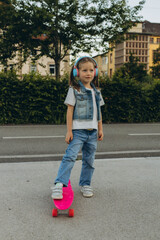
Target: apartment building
102 62
44 65
142 40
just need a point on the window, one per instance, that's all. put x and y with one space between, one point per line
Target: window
104 60
33 68
5 69
111 58
110 72
158 40
154 54
151 40
11 67
52 69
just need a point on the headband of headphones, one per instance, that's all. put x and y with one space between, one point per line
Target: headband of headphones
75 69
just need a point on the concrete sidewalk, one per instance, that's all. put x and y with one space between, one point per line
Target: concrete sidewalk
125 206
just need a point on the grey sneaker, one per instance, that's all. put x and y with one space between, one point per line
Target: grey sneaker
87 191
57 191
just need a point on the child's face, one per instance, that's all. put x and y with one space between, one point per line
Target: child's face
86 73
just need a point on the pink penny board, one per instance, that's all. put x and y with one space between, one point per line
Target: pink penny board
65 203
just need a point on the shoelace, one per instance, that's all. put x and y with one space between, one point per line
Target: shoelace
87 188
56 189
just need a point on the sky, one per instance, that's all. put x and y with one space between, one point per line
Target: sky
150 11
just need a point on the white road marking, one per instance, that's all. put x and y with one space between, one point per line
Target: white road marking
31 156
80 154
62 136
144 134
63 125
131 151
31 137
127 159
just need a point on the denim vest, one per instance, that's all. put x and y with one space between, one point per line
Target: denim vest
83 109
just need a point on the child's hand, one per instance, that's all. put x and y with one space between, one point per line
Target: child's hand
69 137
100 135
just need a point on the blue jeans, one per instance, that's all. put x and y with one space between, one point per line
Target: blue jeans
87 141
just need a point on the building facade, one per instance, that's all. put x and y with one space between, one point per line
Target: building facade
142 40
102 62
44 65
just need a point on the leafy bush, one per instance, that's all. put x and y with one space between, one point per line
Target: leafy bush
130 101
35 99
40 100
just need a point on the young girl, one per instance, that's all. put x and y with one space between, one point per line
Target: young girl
83 120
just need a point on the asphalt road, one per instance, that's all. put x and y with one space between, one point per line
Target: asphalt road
46 142
125 205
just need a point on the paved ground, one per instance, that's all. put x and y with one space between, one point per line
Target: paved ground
125 205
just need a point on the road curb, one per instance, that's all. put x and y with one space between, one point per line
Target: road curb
58 157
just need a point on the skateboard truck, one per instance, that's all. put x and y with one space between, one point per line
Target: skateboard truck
56 211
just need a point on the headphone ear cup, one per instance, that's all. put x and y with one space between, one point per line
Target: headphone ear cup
96 72
75 72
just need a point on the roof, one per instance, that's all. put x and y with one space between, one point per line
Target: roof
41 37
151 28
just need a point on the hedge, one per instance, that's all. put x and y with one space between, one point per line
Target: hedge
129 101
35 100
40 100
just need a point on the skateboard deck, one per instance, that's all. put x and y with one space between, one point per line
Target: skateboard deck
65 203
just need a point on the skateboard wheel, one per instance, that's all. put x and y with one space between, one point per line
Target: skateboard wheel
54 212
71 213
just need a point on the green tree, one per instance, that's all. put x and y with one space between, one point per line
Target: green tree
156 64
70 26
16 33
6 13
132 69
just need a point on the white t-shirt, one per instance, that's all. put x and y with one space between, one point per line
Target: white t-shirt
84 124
